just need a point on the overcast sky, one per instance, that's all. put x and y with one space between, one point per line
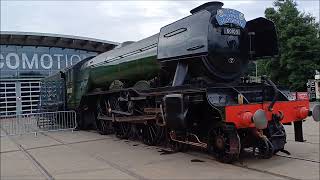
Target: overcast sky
115 20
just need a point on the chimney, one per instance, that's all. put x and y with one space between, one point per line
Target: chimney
209 6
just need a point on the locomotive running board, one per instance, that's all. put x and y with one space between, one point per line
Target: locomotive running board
133 119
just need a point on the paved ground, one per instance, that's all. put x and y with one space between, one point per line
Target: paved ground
88 155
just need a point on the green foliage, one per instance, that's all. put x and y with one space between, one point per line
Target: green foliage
299 45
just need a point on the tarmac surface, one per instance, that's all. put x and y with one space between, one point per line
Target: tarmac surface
88 155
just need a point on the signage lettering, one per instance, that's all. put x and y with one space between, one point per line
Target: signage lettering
42 60
14 61
75 58
58 59
1 61
26 61
230 16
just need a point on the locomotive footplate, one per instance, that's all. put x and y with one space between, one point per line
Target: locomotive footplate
190 139
246 94
132 119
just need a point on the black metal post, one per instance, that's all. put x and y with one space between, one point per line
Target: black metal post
298 133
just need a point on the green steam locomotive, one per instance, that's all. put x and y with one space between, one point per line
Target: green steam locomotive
184 87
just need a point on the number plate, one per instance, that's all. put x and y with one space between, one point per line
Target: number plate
231 31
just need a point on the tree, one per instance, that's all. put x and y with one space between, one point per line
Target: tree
299 46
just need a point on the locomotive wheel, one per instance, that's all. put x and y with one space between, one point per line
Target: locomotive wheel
134 132
122 130
277 136
224 146
152 134
265 148
104 127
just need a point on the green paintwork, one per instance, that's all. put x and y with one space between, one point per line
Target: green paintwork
81 86
76 84
129 70
129 64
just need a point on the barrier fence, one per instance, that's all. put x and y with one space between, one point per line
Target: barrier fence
38 122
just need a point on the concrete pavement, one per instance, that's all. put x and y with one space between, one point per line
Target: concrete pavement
88 155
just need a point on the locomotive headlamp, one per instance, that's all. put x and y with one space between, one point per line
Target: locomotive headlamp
260 119
316 113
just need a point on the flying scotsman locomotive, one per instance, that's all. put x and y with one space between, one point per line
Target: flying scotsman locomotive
184 87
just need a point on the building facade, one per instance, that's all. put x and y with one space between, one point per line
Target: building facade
25 58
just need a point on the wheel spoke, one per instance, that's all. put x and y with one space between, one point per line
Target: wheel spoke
153 131
103 123
150 133
122 129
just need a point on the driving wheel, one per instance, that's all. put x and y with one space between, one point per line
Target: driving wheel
224 144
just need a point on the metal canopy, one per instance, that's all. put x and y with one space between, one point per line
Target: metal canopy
55 40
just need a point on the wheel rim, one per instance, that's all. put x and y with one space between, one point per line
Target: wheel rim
152 133
220 144
265 148
104 127
122 130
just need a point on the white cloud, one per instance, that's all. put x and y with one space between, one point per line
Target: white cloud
114 20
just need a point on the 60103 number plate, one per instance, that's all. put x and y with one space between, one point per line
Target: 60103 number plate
231 31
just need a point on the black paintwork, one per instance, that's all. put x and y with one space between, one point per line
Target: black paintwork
201 41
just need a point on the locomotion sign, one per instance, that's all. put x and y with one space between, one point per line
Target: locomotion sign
14 61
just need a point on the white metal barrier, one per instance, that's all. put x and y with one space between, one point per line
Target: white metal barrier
38 122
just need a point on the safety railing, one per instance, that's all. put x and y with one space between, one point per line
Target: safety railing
38 122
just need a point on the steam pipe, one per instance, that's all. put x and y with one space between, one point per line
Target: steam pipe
275 90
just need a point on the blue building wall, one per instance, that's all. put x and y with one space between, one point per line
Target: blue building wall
22 67
31 61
